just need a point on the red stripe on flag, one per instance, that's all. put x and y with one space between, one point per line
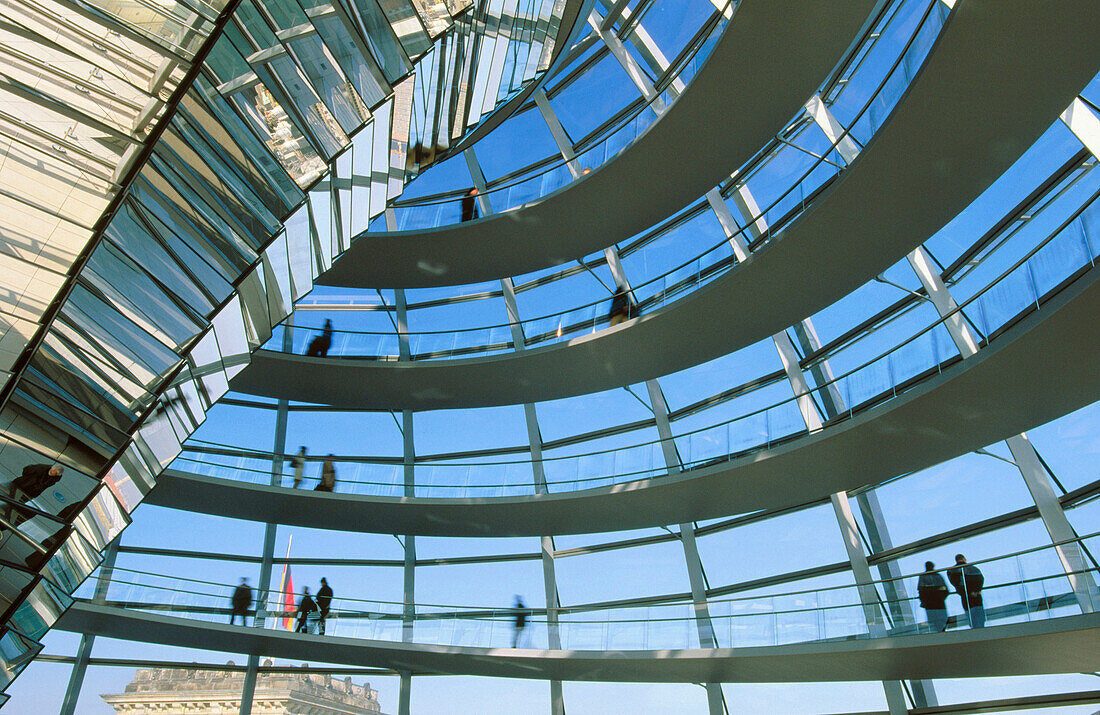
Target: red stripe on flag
287 588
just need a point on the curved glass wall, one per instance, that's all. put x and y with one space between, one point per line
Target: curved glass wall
834 569
665 262
1010 268
773 577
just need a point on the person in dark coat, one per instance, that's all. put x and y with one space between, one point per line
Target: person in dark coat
520 622
968 582
319 346
36 478
622 306
324 602
469 206
242 601
305 607
933 593
328 476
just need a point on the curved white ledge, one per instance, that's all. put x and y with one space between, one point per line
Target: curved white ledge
771 57
1021 380
1070 644
999 75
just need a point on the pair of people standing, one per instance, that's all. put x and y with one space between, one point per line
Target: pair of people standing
328 471
967 580
312 614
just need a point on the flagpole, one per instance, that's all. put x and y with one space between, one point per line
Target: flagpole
284 596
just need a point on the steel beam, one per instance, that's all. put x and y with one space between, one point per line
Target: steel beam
87 640
534 440
868 596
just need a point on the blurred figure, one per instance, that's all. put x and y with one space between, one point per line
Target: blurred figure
968 582
324 601
242 601
521 621
35 479
328 476
469 206
622 306
318 347
933 593
298 463
305 607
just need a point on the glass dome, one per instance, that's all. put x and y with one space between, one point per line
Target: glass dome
658 356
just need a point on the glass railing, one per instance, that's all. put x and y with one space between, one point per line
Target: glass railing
805 171
1024 586
1023 287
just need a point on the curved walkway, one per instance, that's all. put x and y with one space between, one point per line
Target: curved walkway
963 122
771 57
968 405
1070 644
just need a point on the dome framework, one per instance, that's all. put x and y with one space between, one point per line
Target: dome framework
1011 301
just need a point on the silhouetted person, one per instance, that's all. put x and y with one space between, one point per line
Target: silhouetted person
521 621
242 601
318 347
324 601
305 607
933 593
469 206
35 479
968 582
298 462
328 476
622 306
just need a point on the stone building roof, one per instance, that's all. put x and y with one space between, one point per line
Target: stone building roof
214 692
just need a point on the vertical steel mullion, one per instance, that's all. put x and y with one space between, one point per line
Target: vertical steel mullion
408 461
534 439
251 674
87 640
923 691
561 137
673 465
868 596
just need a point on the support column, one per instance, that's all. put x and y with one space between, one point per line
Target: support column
924 694
897 596
534 439
831 400
87 640
561 137
633 70
643 43
696 576
1054 519
282 412
876 625
1025 458
408 460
